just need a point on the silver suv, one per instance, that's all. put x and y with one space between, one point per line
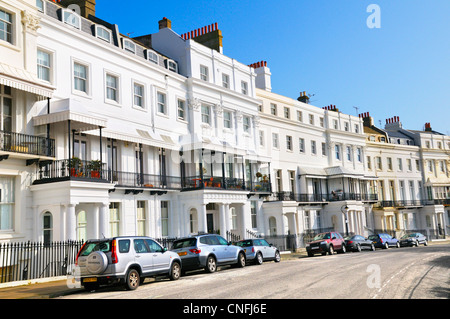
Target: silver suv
125 260
208 251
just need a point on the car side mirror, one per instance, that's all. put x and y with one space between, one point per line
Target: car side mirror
271 245
164 250
230 243
334 237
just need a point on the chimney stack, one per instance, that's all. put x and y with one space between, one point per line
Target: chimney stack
165 23
87 7
263 75
304 98
210 36
367 119
428 127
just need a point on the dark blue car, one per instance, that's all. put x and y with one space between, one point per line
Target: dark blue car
384 241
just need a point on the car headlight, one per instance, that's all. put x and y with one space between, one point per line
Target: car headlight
323 243
307 245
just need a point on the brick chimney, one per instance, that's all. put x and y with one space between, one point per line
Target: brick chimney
367 119
210 36
165 23
428 127
263 76
303 97
87 7
393 123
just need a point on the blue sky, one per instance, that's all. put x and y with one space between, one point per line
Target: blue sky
325 48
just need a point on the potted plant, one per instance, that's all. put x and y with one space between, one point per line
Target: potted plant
95 166
74 166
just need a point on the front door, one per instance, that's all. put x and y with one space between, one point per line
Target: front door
210 223
161 260
143 255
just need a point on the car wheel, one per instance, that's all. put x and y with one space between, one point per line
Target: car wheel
175 271
386 246
397 245
132 279
358 248
425 243
331 250
343 250
259 259
211 265
241 260
277 256
372 248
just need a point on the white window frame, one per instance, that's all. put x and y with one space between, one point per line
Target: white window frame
182 109
225 80
246 124
153 57
171 65
87 79
117 88
11 23
135 95
275 141
204 73
131 45
301 145
227 122
160 104
101 37
313 148
66 13
289 146
39 7
206 117
49 67
244 87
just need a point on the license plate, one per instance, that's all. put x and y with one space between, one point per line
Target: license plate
183 253
90 280
314 247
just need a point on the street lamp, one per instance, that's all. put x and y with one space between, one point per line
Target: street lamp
344 210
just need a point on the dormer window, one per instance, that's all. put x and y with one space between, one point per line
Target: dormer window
172 65
152 57
103 33
129 46
40 5
71 18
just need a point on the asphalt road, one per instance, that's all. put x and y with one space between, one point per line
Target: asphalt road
396 273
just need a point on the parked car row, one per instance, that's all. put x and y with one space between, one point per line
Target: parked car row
129 260
329 242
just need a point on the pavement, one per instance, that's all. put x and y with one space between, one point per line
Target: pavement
56 287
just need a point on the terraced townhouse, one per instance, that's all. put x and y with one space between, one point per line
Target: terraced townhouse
164 135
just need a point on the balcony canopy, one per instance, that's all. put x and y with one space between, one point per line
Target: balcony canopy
69 109
23 80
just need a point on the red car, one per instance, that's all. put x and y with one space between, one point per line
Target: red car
324 243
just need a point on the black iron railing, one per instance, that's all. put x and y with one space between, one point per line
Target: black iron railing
310 198
73 169
33 260
400 203
139 180
27 144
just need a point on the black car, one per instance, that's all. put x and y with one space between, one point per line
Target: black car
413 239
358 243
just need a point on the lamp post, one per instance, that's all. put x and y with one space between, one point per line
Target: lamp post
344 210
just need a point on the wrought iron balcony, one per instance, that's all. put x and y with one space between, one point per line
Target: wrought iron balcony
149 181
73 169
27 144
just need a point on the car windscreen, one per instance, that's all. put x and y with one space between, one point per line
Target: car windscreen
182 243
373 237
244 243
409 235
322 236
104 246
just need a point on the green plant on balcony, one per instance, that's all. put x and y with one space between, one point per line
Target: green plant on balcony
75 166
95 166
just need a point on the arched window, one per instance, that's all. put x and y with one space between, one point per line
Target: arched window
193 221
81 226
47 227
272 226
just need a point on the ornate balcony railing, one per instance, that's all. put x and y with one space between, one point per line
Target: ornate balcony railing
27 144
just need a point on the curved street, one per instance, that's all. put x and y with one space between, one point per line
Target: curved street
396 273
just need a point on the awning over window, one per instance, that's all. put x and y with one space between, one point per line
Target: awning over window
23 80
68 109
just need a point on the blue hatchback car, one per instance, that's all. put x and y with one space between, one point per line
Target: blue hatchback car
384 241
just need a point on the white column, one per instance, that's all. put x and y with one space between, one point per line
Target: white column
227 217
71 222
245 218
103 220
94 226
202 226
222 220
